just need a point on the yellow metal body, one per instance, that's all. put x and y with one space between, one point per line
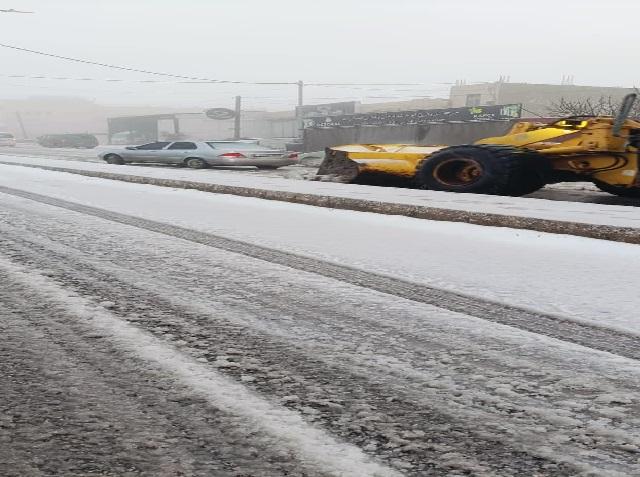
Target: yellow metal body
584 148
395 159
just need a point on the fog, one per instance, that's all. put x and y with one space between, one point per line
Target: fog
431 42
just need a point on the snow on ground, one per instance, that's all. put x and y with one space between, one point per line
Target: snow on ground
412 375
581 278
574 186
287 427
589 213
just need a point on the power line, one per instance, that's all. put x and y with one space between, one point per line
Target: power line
196 78
365 84
167 82
109 80
422 92
135 70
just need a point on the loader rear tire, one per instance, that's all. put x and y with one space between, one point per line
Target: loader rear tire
484 169
633 192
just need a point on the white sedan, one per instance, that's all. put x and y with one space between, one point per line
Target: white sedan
198 155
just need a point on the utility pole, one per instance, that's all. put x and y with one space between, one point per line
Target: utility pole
300 116
21 123
237 119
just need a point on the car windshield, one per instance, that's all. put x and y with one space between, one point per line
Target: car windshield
6 136
235 145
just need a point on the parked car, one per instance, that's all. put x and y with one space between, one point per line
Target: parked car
84 141
7 139
198 155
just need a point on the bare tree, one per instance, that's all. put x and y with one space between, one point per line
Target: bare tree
603 106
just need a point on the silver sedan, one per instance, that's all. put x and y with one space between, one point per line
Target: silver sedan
198 155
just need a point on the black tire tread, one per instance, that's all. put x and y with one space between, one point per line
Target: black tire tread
516 171
633 192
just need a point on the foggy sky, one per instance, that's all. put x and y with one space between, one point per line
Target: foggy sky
434 42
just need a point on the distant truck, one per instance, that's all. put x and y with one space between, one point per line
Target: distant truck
81 141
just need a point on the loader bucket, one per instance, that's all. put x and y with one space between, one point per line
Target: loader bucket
371 166
337 167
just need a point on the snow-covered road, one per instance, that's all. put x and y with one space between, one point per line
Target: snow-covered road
569 192
169 332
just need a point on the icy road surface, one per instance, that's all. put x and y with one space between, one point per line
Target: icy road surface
146 331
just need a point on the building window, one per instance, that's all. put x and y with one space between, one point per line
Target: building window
473 99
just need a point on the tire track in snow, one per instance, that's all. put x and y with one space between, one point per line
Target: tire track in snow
561 328
73 404
310 445
362 406
115 265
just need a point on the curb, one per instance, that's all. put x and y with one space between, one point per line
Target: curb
602 232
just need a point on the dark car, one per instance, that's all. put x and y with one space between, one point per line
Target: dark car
85 141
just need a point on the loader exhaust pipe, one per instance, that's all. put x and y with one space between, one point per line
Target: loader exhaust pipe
623 114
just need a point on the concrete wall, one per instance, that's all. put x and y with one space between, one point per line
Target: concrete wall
447 134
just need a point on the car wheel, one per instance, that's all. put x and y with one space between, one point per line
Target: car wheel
113 159
195 163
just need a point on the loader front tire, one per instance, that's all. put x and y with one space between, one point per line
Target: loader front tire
633 192
484 169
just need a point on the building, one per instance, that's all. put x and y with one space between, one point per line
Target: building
536 99
134 129
35 116
412 104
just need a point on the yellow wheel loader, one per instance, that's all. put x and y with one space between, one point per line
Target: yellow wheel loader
600 149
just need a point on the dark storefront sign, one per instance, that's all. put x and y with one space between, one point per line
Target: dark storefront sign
420 117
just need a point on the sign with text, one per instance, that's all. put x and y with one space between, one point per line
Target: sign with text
418 117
